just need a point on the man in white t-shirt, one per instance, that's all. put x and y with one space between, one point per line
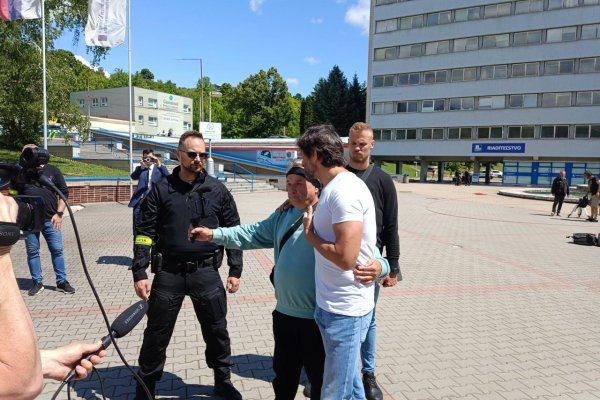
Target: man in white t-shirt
343 233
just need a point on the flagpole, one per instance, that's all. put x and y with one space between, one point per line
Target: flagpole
44 75
130 95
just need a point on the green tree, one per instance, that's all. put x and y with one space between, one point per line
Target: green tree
306 113
146 74
21 102
357 102
261 104
293 127
331 101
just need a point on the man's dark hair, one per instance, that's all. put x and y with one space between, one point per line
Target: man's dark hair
146 152
188 134
325 142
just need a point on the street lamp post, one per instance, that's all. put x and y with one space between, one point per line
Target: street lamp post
201 113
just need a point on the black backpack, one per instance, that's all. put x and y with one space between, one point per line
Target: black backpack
586 239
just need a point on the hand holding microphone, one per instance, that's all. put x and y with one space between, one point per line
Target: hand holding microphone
120 327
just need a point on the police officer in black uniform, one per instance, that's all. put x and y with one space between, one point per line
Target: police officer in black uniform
182 266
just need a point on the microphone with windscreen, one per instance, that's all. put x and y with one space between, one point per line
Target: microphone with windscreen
120 327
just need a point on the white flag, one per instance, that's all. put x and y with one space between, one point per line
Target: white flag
106 23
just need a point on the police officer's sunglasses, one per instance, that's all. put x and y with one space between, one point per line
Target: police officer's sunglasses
193 154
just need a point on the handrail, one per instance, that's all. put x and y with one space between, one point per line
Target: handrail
242 176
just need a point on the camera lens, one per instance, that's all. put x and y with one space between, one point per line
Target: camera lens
148 159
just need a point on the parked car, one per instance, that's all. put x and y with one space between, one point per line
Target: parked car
495 174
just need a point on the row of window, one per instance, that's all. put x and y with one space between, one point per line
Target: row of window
526 100
153 121
475 13
491 132
153 103
102 102
553 35
501 71
548 4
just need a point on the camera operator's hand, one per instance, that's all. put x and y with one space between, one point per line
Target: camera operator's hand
57 363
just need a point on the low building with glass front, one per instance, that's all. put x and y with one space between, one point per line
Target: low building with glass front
516 82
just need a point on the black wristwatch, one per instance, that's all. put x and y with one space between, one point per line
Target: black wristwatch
59 213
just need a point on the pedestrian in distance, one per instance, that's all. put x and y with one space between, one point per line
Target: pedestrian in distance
189 197
560 189
54 209
594 193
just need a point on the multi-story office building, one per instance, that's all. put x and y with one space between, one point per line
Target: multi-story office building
154 112
516 82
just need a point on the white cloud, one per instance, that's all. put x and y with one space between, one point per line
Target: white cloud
316 20
255 6
311 60
358 15
292 81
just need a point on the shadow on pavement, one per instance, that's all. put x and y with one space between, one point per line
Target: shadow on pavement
114 260
253 366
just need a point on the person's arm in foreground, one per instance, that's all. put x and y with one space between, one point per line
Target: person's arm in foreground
20 366
348 235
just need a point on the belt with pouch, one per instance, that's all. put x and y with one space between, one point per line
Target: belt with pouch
188 266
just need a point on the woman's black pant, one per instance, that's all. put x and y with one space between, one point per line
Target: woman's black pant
298 344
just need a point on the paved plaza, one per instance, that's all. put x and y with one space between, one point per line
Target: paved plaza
496 303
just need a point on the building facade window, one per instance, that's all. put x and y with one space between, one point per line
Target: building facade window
415 21
556 4
489 132
140 101
496 41
587 132
522 100
590 2
496 10
81 103
459 133
466 44
494 72
554 132
439 18
140 120
556 99
386 25
440 47
187 109
383 108
152 103
411 50
590 31
464 74
467 14
559 67
433 105
95 102
462 103
432 133
526 38
591 98
528 6
413 78
435 76
383 80
104 101
406 134
407 106
588 65
525 69
565 34
521 132
490 102
152 121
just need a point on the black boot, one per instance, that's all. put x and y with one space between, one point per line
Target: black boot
140 393
372 391
223 385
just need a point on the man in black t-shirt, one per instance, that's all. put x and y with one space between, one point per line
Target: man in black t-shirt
594 190
54 208
383 190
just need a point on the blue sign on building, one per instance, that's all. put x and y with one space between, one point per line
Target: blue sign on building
498 148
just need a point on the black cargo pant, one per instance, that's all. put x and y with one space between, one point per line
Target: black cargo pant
298 344
169 288
558 201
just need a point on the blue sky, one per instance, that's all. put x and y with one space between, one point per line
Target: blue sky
303 39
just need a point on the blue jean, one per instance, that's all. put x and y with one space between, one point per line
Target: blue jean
342 336
54 240
367 349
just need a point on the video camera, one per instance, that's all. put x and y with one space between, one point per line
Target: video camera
27 171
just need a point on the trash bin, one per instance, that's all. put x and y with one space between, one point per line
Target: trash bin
405 178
